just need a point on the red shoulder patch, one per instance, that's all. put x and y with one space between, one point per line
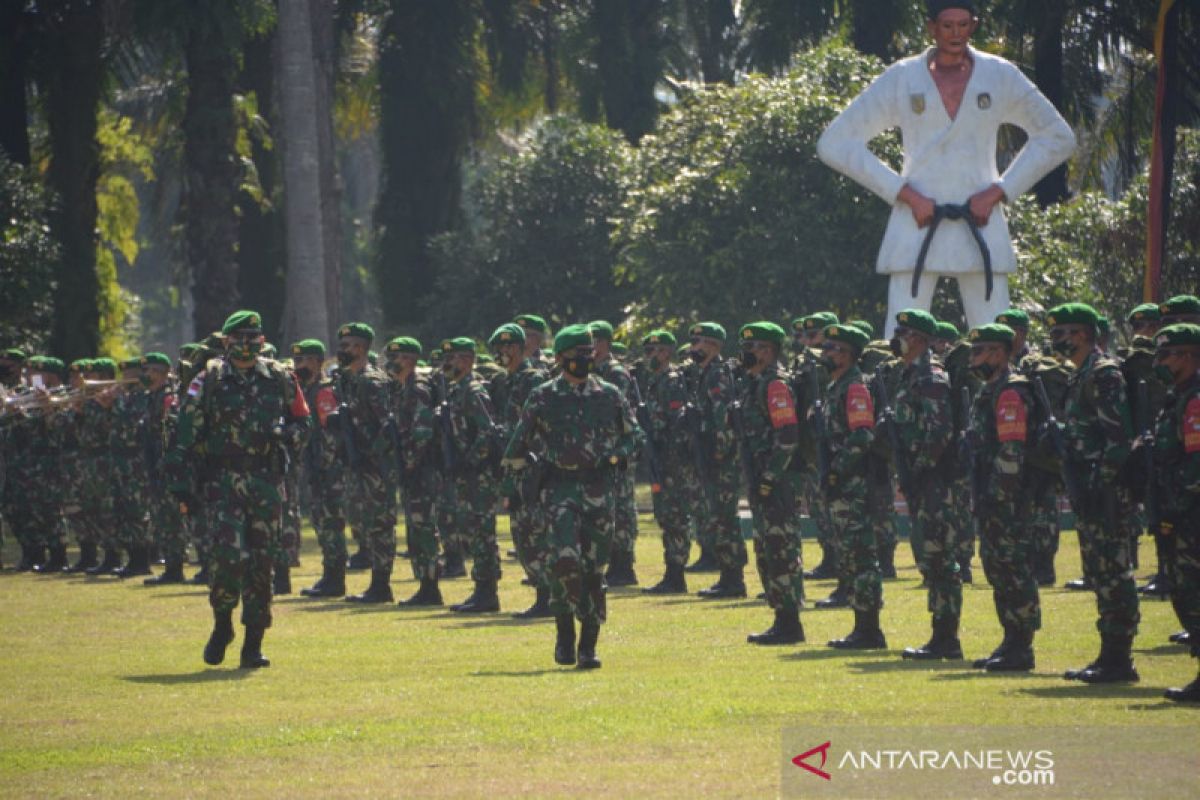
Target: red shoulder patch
299 409
169 401
860 408
1011 417
197 384
1191 426
780 404
326 404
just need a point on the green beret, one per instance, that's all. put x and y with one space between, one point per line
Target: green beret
104 366
48 364
993 332
243 320
1103 325
13 354
762 332
445 346
532 321
1146 312
659 337
309 347
1014 318
1072 314
620 348
131 363
156 359
847 334
508 333
189 349
359 330
80 365
572 336
1181 333
918 320
1181 304
601 330
403 344
863 326
709 329
461 344
798 324
820 321
947 332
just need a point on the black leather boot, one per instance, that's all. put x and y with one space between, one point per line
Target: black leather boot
943 644
887 561
1115 664
252 656
1083 584
87 558
56 563
620 570
1001 649
673 582
839 598
222 635
786 629
589 632
828 566
172 574
360 561
1187 694
483 600
453 566
32 556
282 582
540 607
705 563
564 641
731 585
427 595
201 577
380 590
138 564
112 560
332 583
1017 658
964 571
1180 637
865 636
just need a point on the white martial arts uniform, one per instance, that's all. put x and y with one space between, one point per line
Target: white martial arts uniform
948 161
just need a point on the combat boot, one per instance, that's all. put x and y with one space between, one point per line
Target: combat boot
1044 573
839 598
620 570
332 583
1115 664
1188 694
282 583
564 640
1001 649
828 566
943 644
361 560
786 629
1083 584
32 557
201 577
589 632
1182 637
138 564
1158 586
540 607
172 574
866 634
428 594
87 558
1018 657
483 600
453 566
730 585
380 590
56 563
252 657
964 571
705 563
673 582
112 560
222 635
887 561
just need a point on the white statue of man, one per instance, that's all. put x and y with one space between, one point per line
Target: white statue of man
948 103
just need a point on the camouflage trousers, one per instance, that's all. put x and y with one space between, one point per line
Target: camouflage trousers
326 509
937 539
1043 517
530 540
371 510
132 505
962 519
96 521
289 542
858 554
476 515
1108 563
171 529
1004 546
720 526
421 535
243 511
777 555
808 486
579 518
1184 569
17 513
881 502
625 531
673 507
453 534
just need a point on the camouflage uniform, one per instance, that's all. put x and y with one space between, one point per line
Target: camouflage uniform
419 480
130 478
808 377
471 419
666 396
97 517
715 398
324 473
370 501
1044 485
527 523
170 528
625 530
1177 488
1137 364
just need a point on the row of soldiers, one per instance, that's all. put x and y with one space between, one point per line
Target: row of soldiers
818 442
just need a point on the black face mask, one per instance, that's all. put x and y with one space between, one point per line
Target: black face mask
345 358
896 345
1063 347
749 360
983 372
304 374
827 362
696 355
578 366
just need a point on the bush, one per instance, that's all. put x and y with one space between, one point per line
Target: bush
27 256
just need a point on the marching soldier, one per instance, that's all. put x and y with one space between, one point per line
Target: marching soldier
536 330
625 530
162 414
809 379
130 477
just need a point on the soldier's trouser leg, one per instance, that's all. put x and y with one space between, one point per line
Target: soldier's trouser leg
1106 561
965 526
725 531
329 521
172 528
244 517
580 517
450 526
859 556
625 530
377 493
1184 572
476 500
937 541
777 555
529 537
290 542
672 513
131 508
1043 519
1004 547
421 527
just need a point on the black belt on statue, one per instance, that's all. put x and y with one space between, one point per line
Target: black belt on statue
954 212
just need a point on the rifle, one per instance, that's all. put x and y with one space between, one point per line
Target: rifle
277 433
691 419
496 440
1153 522
642 413
967 445
445 427
820 427
887 416
1075 491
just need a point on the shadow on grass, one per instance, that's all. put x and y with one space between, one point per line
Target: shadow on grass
201 676
814 651
1164 706
970 672
900 664
1163 649
527 673
199 591
1071 689
493 621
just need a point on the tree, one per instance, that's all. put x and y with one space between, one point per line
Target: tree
27 255
630 39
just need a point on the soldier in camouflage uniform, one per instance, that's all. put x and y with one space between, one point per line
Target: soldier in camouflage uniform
955 356
584 431
850 435
362 423
238 414
1176 479
666 397
767 431
625 530
1002 421
472 420
808 380
536 330
194 358
454 540
321 470
921 451
130 478
1098 432
46 490
162 415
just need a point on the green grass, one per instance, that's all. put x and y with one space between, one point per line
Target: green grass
105 694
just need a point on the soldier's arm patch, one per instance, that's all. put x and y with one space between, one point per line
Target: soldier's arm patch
197 385
1011 417
1191 426
169 401
326 404
299 409
780 404
860 408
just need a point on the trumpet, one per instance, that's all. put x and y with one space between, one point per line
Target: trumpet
101 385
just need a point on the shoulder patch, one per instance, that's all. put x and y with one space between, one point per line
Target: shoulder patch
326 404
860 408
197 384
1191 425
780 404
1011 417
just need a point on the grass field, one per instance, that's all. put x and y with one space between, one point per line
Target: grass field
105 694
